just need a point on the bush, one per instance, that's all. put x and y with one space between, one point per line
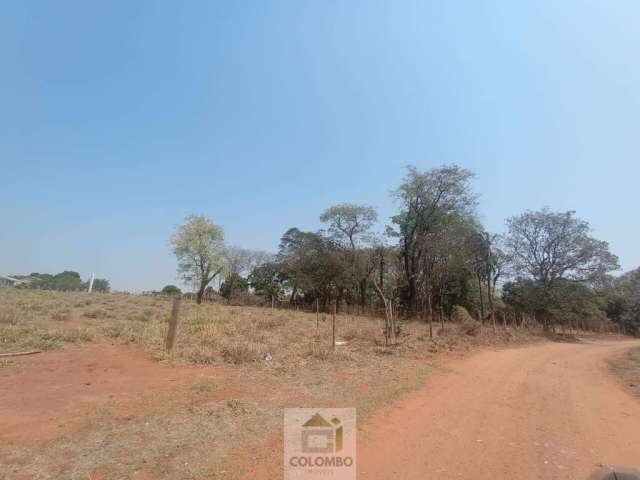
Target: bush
202 356
96 313
241 352
60 316
471 327
319 352
171 290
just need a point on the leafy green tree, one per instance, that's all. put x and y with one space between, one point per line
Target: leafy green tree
67 281
490 262
239 262
554 248
171 290
267 280
575 304
622 302
445 268
549 246
314 266
64 281
429 200
525 295
101 285
350 224
350 227
198 245
233 284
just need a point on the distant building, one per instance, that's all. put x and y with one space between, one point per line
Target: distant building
6 281
13 281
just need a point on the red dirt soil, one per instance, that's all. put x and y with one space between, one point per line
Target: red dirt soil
551 411
49 394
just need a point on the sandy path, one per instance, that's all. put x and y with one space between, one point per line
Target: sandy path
551 411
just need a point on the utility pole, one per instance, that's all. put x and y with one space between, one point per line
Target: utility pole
91 282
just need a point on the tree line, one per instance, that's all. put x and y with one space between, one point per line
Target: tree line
64 281
434 255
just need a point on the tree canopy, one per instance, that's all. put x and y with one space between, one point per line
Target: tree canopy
171 290
64 281
198 245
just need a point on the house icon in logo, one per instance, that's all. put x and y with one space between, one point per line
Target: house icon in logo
321 436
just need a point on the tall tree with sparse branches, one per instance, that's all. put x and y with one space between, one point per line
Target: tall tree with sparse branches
429 201
198 245
554 247
350 226
238 263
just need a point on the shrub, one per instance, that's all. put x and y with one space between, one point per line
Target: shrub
171 290
319 352
470 327
96 313
202 356
241 352
143 316
60 316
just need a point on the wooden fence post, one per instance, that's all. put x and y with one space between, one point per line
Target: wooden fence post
333 329
173 324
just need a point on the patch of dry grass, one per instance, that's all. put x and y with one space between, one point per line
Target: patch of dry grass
627 367
213 333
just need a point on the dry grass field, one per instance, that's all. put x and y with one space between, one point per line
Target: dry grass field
105 400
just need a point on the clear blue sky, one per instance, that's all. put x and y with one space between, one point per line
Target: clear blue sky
119 118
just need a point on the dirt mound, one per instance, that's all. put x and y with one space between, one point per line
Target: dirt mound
460 315
468 325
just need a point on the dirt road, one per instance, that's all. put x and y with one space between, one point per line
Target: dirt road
551 411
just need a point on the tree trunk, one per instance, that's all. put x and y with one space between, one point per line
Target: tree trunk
339 297
490 303
363 294
387 312
200 293
333 325
429 312
481 299
441 308
411 301
232 282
